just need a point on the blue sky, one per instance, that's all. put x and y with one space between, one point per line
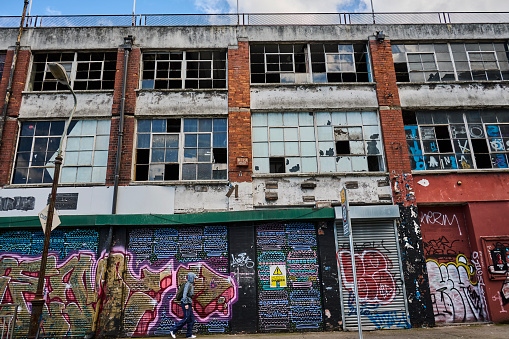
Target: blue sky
67 7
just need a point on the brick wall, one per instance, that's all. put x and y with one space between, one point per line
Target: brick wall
133 74
10 132
398 164
239 116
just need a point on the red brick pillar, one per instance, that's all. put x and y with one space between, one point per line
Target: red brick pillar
133 74
239 114
10 128
398 164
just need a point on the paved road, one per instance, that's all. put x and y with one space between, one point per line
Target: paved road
441 332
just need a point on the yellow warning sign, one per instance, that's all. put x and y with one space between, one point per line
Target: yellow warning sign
277 276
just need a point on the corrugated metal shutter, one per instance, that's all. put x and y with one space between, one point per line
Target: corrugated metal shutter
380 283
169 253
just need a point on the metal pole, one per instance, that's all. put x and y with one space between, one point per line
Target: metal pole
134 7
373 11
354 270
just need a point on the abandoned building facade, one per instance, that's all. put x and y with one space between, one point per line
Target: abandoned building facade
222 149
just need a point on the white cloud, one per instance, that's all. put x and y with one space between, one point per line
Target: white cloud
333 6
50 11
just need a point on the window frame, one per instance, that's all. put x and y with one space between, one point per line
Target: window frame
181 151
184 77
72 73
65 153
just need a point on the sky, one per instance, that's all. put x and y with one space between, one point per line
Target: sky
71 7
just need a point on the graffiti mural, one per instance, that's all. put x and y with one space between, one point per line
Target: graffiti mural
74 283
202 250
455 292
297 306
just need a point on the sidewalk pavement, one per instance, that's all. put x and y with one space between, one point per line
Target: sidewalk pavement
485 331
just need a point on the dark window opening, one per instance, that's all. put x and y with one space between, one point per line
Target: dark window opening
173 125
142 156
444 146
277 165
342 147
171 172
409 118
141 172
373 163
220 155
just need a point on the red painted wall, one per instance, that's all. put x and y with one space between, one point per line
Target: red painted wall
444 188
489 219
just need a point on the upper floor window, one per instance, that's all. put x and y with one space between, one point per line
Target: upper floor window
181 149
86 70
316 142
85 152
451 62
457 139
2 63
184 70
309 63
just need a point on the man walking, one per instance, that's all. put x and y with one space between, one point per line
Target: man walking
187 308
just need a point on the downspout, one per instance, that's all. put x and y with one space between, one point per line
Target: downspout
11 74
128 44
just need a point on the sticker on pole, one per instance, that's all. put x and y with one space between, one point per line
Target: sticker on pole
43 217
277 276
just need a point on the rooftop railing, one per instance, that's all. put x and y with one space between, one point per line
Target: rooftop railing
244 19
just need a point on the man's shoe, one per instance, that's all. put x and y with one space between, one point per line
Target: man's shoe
193 336
172 334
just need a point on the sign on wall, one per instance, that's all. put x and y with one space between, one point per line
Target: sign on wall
277 275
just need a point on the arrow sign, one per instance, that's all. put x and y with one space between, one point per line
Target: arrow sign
43 217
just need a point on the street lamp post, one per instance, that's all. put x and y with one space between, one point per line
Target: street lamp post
60 75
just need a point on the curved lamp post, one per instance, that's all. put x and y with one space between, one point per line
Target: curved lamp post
59 73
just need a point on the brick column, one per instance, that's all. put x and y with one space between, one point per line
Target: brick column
133 74
239 113
398 163
10 127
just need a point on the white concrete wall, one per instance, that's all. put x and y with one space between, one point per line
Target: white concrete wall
312 96
453 95
159 103
42 105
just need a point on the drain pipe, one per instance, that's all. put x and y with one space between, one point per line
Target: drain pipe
11 74
128 45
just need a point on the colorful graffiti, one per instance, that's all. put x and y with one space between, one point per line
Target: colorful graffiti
456 292
297 306
75 289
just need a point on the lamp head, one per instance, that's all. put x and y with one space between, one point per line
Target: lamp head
59 73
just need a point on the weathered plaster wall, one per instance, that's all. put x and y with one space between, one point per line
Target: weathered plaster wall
486 94
347 96
154 103
362 190
42 105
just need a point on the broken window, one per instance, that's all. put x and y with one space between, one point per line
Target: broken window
181 149
86 70
85 152
306 63
320 142
184 70
456 140
451 62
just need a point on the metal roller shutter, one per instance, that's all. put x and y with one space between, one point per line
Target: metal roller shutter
379 277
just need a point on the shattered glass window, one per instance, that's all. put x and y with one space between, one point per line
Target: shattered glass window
85 152
451 62
457 140
321 142
181 149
